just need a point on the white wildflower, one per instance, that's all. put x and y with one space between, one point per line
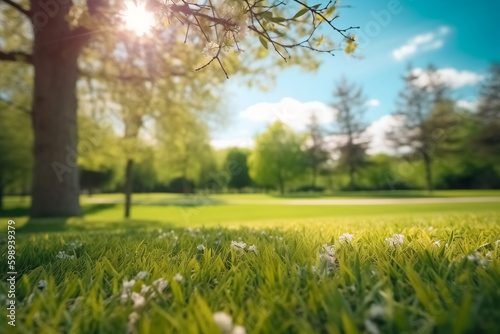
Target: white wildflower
327 253
239 330
211 50
396 240
497 243
75 244
328 249
160 284
376 311
346 237
489 256
371 327
126 288
42 284
141 275
253 248
63 255
238 245
201 247
476 259
178 277
430 228
132 319
224 321
437 243
138 299
145 289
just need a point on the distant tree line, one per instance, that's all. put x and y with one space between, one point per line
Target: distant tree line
436 145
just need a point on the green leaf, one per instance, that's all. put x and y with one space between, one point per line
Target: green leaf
301 12
263 41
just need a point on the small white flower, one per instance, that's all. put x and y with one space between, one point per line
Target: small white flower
132 319
489 256
437 243
138 300
126 288
253 248
346 237
141 275
330 250
63 255
211 50
239 330
376 311
201 247
497 243
42 284
476 259
430 228
178 277
238 245
224 321
396 240
327 253
371 327
160 284
145 289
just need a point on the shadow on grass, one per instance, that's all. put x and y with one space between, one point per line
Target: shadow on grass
46 225
14 212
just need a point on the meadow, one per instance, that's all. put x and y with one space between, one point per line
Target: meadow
251 268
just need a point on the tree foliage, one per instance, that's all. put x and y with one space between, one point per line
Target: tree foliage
277 157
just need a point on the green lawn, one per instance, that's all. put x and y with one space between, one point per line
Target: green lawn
443 278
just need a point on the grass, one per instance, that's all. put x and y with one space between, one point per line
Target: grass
365 287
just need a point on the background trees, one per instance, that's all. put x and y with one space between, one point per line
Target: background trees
316 152
350 105
237 160
278 157
64 32
427 118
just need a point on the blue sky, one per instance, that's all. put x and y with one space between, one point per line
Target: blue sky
461 38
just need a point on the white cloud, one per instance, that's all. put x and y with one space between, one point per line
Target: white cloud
469 105
373 103
376 132
424 42
226 143
292 112
450 77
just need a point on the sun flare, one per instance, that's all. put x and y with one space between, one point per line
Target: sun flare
137 18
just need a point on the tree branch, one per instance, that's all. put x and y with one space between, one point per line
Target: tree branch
18 7
16 56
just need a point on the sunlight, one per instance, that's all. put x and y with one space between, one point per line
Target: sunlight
137 18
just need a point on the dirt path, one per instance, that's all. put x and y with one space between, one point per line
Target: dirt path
329 201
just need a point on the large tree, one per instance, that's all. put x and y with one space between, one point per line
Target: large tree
278 157
236 162
426 117
350 103
316 153
54 33
488 113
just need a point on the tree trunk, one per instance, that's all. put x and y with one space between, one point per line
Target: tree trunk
428 172
313 183
282 187
129 183
352 181
55 188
